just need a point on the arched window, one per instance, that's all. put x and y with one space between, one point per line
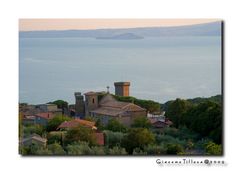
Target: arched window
92 100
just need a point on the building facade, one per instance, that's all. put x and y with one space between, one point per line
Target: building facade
104 106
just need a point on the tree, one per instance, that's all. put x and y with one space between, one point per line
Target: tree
173 149
205 119
213 149
117 151
31 129
56 149
60 104
80 133
155 149
79 148
56 121
137 138
99 125
142 122
115 126
175 111
113 138
55 137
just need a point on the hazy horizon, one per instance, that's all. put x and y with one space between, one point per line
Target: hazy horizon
96 24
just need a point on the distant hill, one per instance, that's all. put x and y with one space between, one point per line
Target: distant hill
125 36
208 29
197 100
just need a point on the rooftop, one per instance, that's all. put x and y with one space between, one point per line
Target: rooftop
121 83
45 115
76 122
90 93
35 137
110 106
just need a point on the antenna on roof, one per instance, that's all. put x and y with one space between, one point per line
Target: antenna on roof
108 89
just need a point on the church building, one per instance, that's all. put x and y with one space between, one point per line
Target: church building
108 107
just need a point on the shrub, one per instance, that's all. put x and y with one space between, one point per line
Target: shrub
117 151
213 149
79 148
56 121
113 138
137 138
173 149
115 126
31 129
138 151
142 122
53 137
56 149
80 133
155 149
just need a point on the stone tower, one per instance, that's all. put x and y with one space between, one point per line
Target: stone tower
91 102
122 88
79 105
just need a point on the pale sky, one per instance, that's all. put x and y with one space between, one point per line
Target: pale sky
66 24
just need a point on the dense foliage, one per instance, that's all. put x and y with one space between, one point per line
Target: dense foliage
149 105
60 104
80 133
205 119
176 110
137 138
141 122
115 126
196 130
56 121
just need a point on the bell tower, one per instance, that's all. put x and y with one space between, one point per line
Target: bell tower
91 102
79 105
122 88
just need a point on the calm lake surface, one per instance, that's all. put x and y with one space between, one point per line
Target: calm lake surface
159 69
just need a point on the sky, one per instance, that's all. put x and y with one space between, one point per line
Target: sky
83 24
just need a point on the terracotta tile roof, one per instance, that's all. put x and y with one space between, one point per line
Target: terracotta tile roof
113 109
115 104
45 115
99 138
133 107
76 122
156 122
29 117
110 101
168 122
107 111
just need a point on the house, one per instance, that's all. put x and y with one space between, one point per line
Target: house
42 118
28 119
34 139
77 122
160 123
89 124
47 107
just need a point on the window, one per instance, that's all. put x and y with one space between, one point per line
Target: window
92 100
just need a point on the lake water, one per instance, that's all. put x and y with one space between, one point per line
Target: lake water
159 69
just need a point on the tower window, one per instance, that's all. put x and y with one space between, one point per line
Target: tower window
92 100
